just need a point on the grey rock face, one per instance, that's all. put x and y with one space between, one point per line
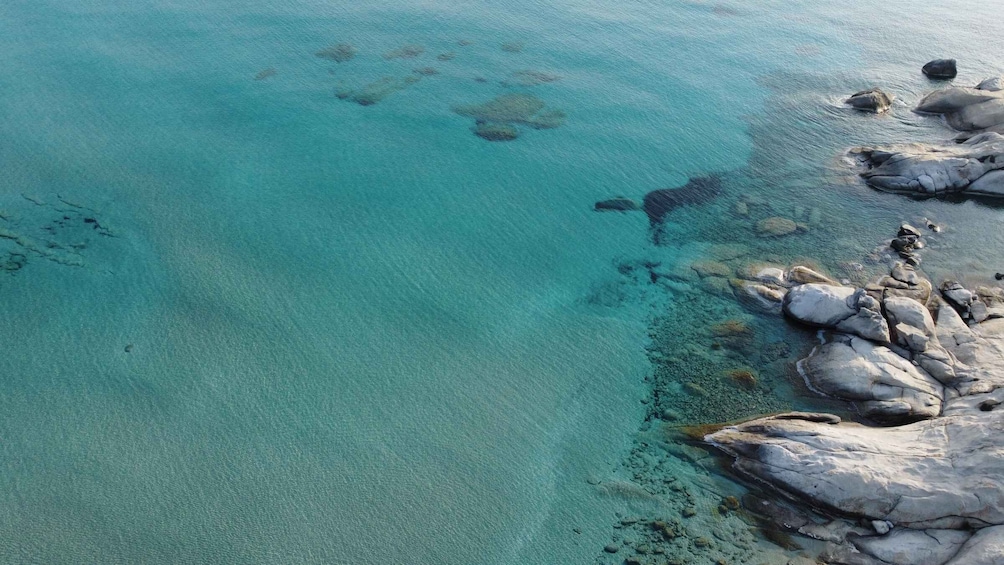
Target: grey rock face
934 170
925 486
837 307
986 547
993 84
941 69
969 165
880 383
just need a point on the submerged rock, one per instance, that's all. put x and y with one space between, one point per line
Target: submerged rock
406 52
873 100
496 132
338 53
776 226
940 69
509 110
698 190
618 203
376 91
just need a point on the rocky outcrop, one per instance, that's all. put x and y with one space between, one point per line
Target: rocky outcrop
971 164
873 100
926 485
941 69
938 170
882 385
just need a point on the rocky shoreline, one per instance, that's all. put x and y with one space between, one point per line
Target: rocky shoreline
919 482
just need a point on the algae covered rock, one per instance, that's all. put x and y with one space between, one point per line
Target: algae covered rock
495 132
505 112
338 53
406 52
776 226
375 91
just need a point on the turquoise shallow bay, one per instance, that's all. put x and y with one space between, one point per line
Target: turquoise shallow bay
362 334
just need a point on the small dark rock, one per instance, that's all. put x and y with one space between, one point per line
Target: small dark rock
612 548
873 100
999 276
907 229
128 348
941 69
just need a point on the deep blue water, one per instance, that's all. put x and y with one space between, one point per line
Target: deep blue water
361 334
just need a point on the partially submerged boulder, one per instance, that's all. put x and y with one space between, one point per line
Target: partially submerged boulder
872 100
940 69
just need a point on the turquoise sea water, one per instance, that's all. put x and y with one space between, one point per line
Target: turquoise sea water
361 334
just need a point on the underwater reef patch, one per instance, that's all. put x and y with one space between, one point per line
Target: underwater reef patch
406 52
338 53
377 90
504 113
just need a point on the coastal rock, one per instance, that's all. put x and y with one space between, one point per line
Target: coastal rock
942 473
804 275
900 547
881 384
985 548
776 226
940 69
873 100
837 307
618 204
993 84
953 99
935 170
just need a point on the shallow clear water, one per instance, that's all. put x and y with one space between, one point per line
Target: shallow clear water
361 334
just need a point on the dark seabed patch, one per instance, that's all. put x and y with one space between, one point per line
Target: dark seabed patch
266 73
405 52
338 53
513 46
510 110
377 90
530 78
660 202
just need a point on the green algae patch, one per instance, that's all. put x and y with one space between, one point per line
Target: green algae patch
504 113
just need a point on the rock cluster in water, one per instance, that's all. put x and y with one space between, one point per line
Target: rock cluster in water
496 120
971 165
923 482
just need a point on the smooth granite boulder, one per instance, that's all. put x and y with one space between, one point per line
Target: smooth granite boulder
882 385
940 69
837 307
